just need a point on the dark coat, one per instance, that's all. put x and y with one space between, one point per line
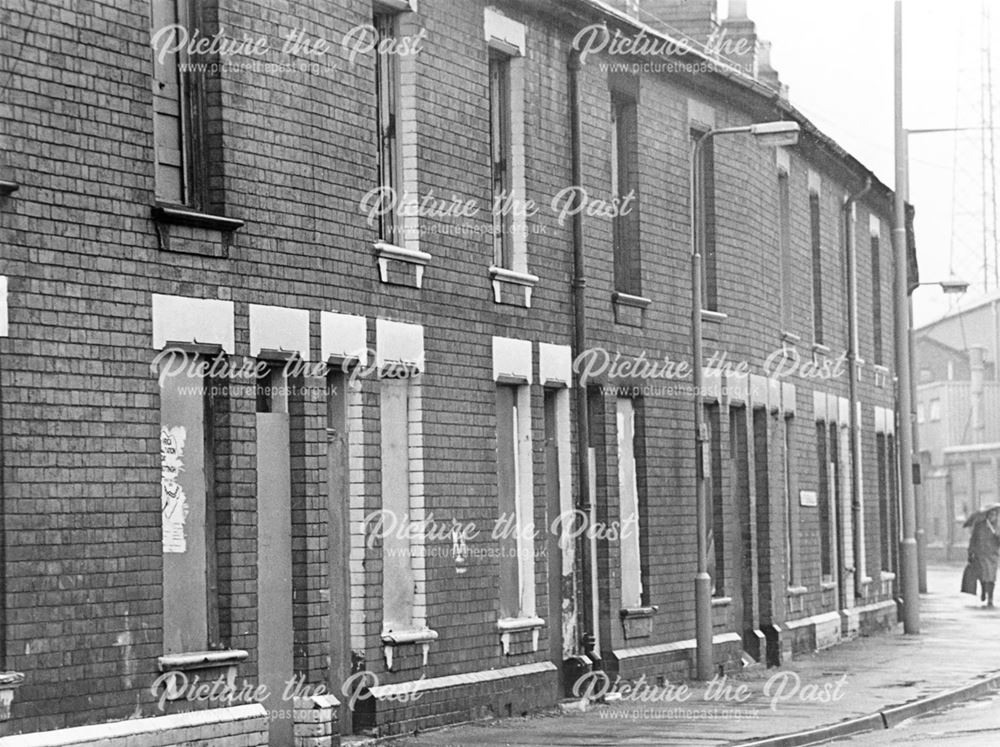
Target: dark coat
984 550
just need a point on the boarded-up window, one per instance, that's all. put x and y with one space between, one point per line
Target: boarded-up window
186 483
886 457
791 505
398 580
716 505
826 457
517 579
634 592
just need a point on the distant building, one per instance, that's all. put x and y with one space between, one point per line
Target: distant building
958 420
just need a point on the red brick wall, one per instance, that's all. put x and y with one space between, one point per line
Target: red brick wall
80 406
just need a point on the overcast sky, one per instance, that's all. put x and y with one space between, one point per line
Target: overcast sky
837 58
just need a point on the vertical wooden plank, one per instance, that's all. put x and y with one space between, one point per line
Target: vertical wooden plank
553 568
762 518
507 501
631 566
184 495
338 502
397 567
275 639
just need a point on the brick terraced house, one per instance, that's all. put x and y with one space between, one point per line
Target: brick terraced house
342 353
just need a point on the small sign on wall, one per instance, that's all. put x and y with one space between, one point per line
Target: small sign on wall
808 498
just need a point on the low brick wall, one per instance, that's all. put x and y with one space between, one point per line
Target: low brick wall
428 703
240 726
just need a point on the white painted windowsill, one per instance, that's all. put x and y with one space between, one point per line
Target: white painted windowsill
201 659
409 637
413 635
509 625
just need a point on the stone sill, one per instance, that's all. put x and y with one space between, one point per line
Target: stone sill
182 216
828 585
8 187
887 576
201 659
721 601
633 612
796 591
820 349
713 317
517 624
413 636
385 253
510 625
627 299
790 338
629 310
501 277
403 637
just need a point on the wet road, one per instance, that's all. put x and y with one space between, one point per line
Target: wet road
966 725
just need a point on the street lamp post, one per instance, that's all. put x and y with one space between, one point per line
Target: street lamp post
909 565
765 133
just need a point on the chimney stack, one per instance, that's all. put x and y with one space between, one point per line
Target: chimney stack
695 19
767 74
737 41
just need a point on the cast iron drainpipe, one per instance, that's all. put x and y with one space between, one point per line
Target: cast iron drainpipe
857 525
588 624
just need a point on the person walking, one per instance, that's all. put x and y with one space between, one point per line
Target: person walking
984 549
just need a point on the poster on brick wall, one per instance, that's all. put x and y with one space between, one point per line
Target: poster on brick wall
172 499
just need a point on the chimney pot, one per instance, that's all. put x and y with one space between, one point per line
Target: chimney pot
738 9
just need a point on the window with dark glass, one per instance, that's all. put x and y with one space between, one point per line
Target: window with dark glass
500 157
624 187
386 100
817 266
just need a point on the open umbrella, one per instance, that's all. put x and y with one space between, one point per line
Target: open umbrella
976 516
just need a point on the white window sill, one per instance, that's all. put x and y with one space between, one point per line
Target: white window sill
413 635
796 591
201 659
510 625
409 637
385 253
828 585
887 576
630 612
175 665
714 317
629 310
790 338
627 299
721 601
500 277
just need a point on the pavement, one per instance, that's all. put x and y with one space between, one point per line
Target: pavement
868 684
